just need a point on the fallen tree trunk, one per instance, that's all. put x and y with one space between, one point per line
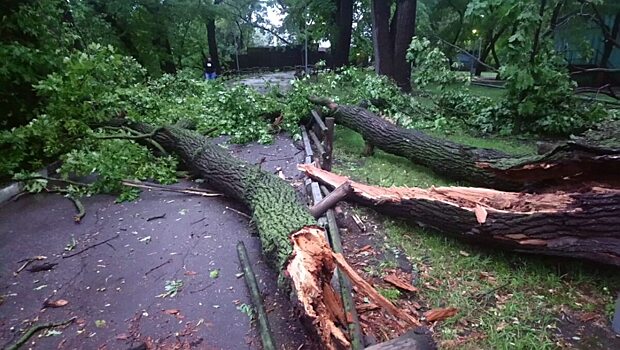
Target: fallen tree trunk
576 161
288 232
583 225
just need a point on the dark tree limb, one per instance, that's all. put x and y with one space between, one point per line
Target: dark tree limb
81 212
584 225
257 299
37 327
572 162
91 247
331 200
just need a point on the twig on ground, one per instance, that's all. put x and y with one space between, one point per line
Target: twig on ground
151 186
239 212
27 262
32 330
80 209
90 247
156 217
158 266
197 221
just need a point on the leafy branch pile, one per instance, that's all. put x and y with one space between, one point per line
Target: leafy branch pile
97 85
539 96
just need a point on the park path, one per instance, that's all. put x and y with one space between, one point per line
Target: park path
112 288
264 81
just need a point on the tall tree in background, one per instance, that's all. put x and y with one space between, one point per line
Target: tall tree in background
341 39
322 20
392 34
211 39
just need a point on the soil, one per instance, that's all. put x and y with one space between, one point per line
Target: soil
123 256
585 330
364 248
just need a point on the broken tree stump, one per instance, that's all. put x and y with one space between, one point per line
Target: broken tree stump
583 224
575 161
290 239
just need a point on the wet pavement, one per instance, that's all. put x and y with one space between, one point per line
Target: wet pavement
126 253
263 82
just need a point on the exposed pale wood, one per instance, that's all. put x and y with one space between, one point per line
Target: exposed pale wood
365 288
398 283
440 314
355 330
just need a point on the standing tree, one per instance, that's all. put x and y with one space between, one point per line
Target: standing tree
392 33
212 42
331 20
341 39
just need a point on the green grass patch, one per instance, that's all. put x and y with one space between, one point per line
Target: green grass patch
392 294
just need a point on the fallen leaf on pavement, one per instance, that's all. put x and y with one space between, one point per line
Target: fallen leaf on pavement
56 303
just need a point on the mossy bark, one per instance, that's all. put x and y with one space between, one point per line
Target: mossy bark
584 159
276 208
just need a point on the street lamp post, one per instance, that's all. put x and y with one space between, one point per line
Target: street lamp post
236 52
306 47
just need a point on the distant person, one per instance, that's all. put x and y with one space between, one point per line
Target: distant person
209 70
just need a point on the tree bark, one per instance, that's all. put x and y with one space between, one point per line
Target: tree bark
119 27
341 45
391 39
576 161
382 41
535 46
405 29
289 236
489 48
584 225
212 42
609 44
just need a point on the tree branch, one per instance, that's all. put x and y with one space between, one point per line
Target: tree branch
466 53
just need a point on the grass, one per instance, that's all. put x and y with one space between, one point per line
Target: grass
390 293
512 300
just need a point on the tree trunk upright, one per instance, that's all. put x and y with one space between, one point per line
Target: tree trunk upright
392 34
382 41
609 44
342 38
212 42
405 29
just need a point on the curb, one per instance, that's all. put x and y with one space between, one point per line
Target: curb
10 191
14 188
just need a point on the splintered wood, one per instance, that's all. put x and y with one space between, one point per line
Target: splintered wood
311 269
